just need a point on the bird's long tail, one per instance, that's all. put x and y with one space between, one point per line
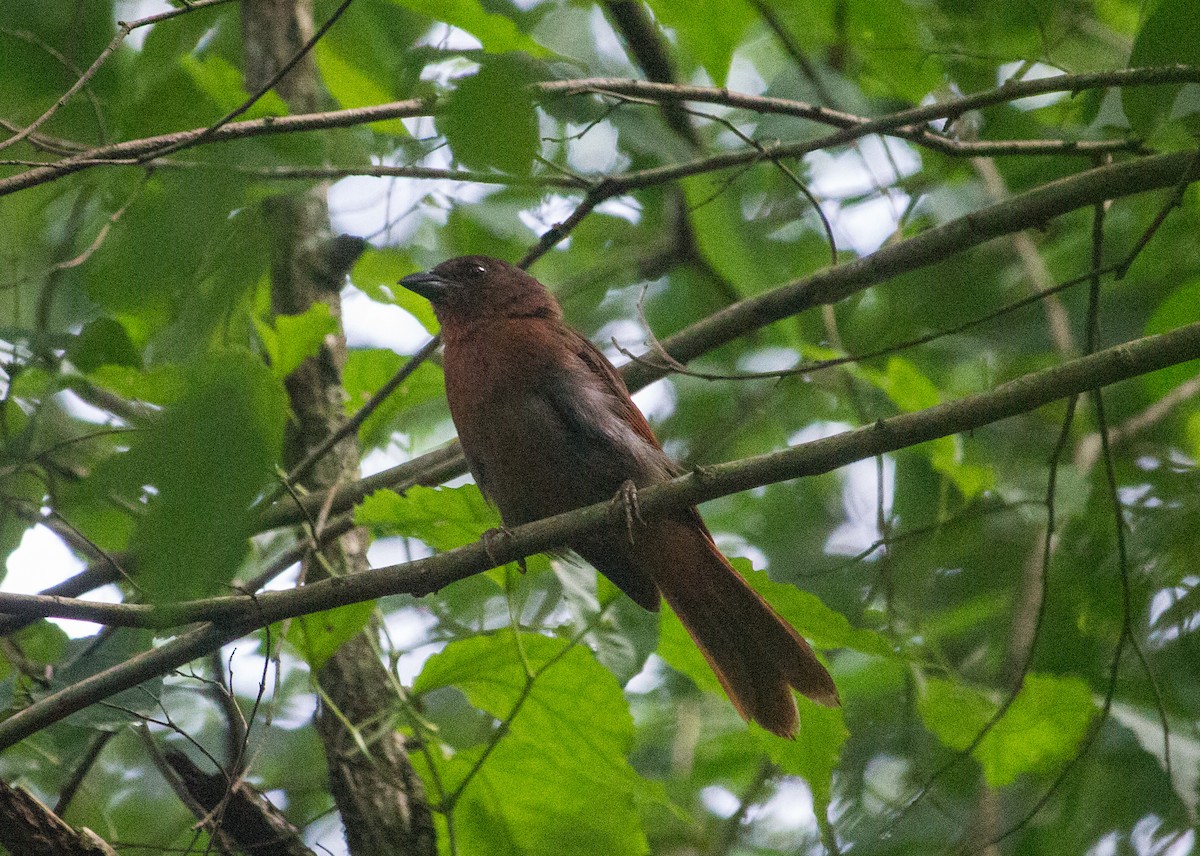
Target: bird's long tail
756 655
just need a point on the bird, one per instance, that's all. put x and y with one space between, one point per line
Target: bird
547 425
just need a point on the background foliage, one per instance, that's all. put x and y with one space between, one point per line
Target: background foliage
1017 658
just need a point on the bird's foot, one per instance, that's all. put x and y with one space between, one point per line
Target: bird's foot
494 540
625 503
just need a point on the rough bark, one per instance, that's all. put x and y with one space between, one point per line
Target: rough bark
28 828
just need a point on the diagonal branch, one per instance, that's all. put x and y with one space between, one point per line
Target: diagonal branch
1032 209
235 616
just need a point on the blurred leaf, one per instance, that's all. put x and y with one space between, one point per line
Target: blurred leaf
899 58
103 342
1177 310
709 29
223 83
557 780
352 87
318 635
482 138
367 370
155 385
209 456
295 338
1168 35
815 751
1039 732
377 273
497 32
911 390
90 656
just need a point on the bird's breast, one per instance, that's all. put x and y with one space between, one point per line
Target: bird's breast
522 455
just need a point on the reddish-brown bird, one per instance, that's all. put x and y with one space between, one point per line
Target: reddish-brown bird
547 425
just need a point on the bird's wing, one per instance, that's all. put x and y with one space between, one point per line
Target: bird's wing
608 432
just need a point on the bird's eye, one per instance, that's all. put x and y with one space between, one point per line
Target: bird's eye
475 271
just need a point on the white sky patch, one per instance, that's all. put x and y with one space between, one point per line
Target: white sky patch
720 801
791 808
605 40
80 409
389 210
1037 71
732 544
656 401
856 172
133 10
450 38
625 207
552 211
744 77
369 324
864 227
594 149
43 560
768 360
877 163
860 494
648 679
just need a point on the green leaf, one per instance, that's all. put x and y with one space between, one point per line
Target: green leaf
224 84
103 342
899 58
367 370
1178 309
721 234
376 274
318 635
483 137
497 33
353 87
1039 732
710 29
442 517
156 385
206 460
912 390
91 655
295 338
1168 35
557 781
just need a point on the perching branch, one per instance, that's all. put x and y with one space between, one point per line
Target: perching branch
236 616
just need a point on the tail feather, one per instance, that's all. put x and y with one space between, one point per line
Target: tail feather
755 654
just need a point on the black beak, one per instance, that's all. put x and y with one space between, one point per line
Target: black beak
428 284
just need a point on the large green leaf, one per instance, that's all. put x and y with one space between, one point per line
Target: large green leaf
1167 36
1039 732
506 139
709 29
557 780
205 461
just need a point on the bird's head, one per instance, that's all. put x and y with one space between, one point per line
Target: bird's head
477 288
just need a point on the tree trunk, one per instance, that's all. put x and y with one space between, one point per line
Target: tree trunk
380 797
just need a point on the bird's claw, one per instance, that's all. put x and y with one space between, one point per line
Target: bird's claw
493 540
625 502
